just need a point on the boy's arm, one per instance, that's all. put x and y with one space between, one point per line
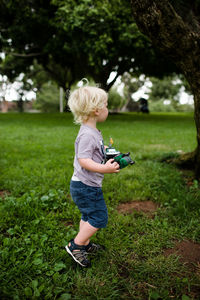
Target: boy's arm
90 165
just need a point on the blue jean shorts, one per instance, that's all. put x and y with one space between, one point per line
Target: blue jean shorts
90 202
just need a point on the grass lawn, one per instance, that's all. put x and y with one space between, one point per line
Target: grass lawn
38 217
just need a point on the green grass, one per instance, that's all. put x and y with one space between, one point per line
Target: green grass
38 218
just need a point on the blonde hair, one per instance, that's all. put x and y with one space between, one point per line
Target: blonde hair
85 100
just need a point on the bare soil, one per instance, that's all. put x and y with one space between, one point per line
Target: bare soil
68 224
188 252
4 193
147 207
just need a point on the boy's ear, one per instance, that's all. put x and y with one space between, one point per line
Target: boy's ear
96 112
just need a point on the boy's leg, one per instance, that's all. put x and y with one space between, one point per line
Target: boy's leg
90 247
77 247
85 233
82 223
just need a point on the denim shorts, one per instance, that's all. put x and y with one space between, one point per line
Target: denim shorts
90 202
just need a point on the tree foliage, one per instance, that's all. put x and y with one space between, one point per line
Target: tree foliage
106 34
131 85
74 39
116 101
48 98
166 89
28 33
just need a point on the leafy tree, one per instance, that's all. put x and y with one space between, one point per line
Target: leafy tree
159 106
4 86
131 85
166 89
105 33
116 101
75 39
22 86
48 98
36 37
38 75
174 28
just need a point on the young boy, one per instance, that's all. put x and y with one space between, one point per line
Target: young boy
89 106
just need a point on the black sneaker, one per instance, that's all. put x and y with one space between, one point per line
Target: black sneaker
79 254
93 248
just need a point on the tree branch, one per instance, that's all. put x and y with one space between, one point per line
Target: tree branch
112 82
24 55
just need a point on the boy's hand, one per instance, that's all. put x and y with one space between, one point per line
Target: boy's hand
112 166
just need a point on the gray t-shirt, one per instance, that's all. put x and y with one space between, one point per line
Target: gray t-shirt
88 144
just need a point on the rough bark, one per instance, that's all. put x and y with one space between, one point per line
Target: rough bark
177 40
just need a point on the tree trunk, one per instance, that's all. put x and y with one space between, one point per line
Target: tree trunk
66 97
20 105
178 41
197 120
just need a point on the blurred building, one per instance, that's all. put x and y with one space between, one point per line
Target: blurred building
6 106
9 106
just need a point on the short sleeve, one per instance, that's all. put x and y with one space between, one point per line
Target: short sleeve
85 146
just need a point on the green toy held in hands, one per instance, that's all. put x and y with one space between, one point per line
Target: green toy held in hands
122 159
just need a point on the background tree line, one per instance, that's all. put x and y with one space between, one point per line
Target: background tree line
64 41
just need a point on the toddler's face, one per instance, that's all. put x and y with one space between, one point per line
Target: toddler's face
103 113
